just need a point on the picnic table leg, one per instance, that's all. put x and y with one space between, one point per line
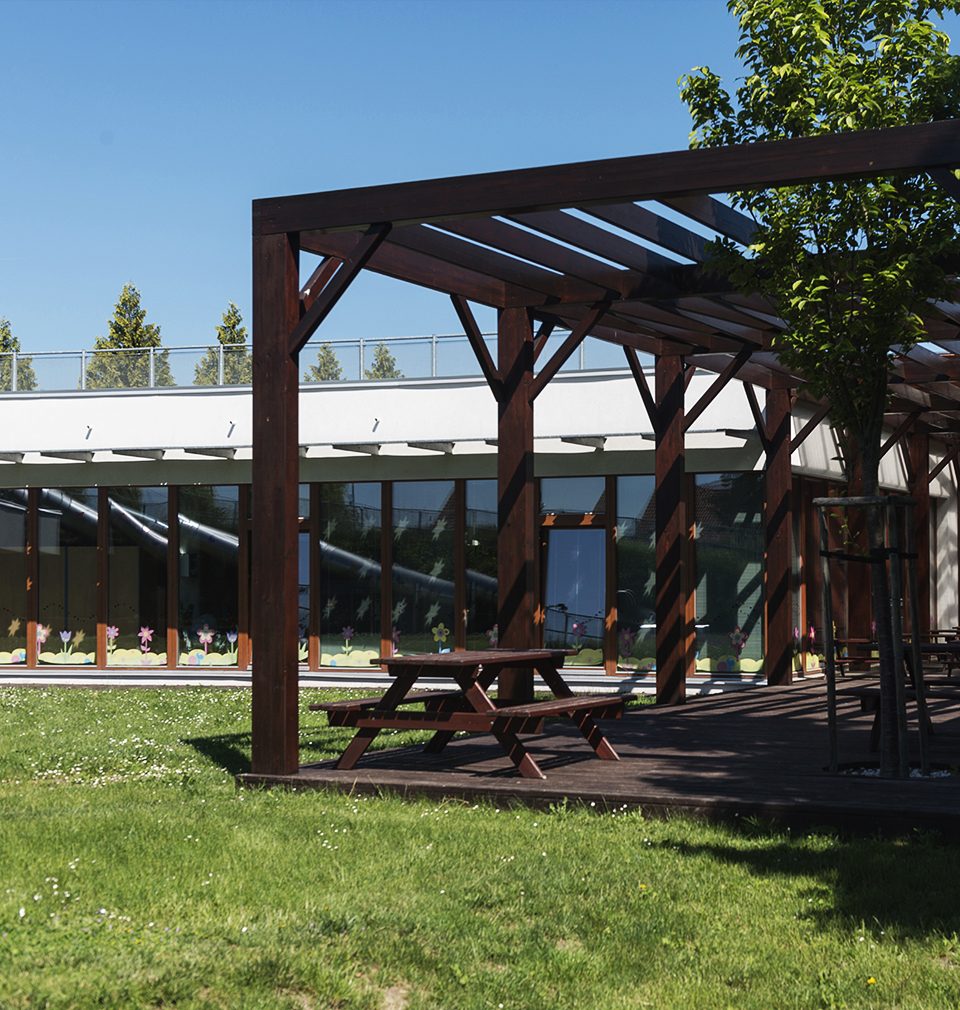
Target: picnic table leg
602 747
367 734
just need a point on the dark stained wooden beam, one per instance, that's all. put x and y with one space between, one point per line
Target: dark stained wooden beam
317 281
670 506
547 326
718 384
481 351
811 425
322 305
901 429
569 345
619 180
425 271
755 374
715 214
645 224
778 526
758 418
516 500
946 180
276 458
600 242
948 457
636 369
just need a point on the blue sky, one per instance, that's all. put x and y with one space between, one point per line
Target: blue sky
136 135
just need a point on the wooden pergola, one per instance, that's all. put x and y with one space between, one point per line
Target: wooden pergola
568 247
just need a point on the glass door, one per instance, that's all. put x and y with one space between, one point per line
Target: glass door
574 582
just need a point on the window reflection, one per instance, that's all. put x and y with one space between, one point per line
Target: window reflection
349 529
67 555
636 573
13 577
137 577
729 564
209 549
481 564
572 495
423 525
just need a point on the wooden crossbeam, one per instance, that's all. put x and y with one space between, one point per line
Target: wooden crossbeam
325 301
318 280
718 384
757 416
723 219
616 180
547 326
948 458
814 422
633 361
563 352
481 351
901 429
946 180
689 371
645 224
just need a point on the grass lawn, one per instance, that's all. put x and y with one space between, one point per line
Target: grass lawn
134 874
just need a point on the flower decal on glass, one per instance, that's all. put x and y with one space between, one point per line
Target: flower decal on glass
348 634
395 637
627 640
113 633
43 633
738 639
439 529
440 635
13 627
146 637
579 630
493 636
205 637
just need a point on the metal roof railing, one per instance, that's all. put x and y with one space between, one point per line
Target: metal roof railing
363 359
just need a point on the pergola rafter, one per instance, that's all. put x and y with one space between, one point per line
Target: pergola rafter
580 247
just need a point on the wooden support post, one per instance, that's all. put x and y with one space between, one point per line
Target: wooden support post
33 574
673 665
516 499
276 459
919 449
103 574
173 577
243 577
778 526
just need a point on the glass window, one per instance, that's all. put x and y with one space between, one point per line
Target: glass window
350 521
209 550
137 578
67 555
729 566
636 573
13 577
481 564
572 495
574 586
423 524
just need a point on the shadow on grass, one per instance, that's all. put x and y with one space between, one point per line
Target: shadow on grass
910 888
230 751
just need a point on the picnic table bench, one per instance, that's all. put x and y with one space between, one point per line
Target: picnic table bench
469 708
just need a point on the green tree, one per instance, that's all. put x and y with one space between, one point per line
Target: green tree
849 264
327 367
237 361
128 332
384 364
10 345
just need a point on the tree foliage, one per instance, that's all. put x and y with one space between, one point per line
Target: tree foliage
327 367
237 360
850 264
128 332
384 364
10 345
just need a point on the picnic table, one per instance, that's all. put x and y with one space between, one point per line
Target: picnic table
469 707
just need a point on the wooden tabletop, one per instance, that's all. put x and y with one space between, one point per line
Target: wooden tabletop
479 657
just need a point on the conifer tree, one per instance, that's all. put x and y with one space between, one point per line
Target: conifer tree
384 364
10 345
237 360
327 367
124 358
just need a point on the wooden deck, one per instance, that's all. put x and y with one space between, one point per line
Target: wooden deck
759 752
